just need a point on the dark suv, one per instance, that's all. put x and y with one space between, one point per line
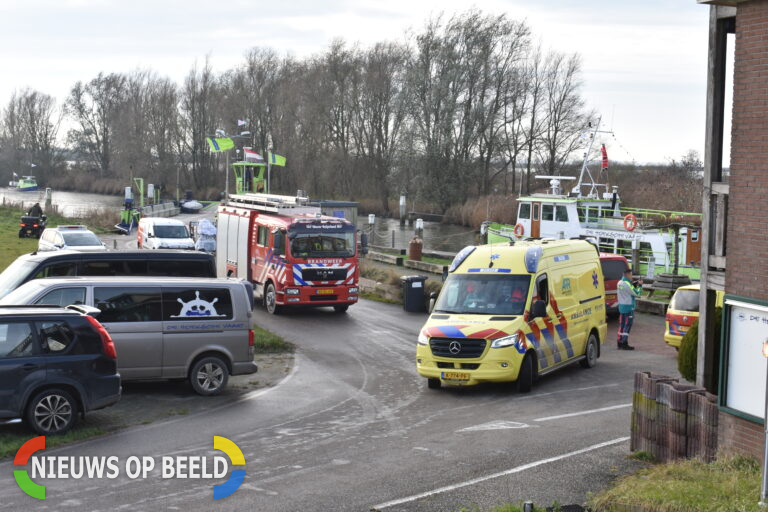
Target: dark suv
55 364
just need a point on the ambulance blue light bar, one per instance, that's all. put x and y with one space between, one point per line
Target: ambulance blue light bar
532 257
460 257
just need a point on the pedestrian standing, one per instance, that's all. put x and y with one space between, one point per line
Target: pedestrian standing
627 292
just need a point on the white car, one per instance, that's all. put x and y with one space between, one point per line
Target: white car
163 233
73 237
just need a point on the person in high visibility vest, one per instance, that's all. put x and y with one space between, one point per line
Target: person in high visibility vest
627 292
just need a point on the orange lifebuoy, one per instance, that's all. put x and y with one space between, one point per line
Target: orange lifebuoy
519 230
630 222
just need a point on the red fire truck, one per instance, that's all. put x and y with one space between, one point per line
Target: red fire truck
293 255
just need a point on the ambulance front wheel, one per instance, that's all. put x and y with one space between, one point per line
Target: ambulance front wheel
590 359
525 377
433 383
270 300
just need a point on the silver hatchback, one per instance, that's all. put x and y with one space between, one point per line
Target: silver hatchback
72 236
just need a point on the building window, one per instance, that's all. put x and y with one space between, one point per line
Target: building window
524 212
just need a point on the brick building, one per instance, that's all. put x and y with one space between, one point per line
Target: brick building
734 221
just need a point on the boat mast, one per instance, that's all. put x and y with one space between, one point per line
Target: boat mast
585 167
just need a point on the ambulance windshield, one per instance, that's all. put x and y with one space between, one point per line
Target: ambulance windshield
484 294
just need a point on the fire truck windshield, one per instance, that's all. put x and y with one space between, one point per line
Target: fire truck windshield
323 245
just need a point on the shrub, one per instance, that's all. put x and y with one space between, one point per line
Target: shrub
686 358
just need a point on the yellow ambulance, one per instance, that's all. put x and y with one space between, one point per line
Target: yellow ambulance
513 313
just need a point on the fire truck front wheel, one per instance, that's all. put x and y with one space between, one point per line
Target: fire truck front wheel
341 308
270 300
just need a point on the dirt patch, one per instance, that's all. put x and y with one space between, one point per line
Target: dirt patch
146 402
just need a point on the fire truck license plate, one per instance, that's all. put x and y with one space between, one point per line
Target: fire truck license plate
455 376
325 291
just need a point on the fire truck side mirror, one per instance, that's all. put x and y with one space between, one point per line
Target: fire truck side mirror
364 243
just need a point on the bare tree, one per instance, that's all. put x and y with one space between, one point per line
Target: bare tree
564 111
199 121
94 108
30 128
380 112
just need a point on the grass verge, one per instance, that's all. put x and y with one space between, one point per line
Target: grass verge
730 483
11 246
11 441
270 343
379 298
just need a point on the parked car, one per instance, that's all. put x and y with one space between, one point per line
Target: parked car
683 310
613 266
162 233
55 364
108 263
164 328
74 237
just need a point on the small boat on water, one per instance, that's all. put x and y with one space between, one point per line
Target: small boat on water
25 184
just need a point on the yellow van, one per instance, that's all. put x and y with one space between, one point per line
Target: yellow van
683 310
515 312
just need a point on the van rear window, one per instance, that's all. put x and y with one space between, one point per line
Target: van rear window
193 303
613 270
685 300
180 268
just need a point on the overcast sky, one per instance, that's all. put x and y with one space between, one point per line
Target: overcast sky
644 61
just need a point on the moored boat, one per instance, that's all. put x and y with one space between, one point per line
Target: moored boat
25 184
651 235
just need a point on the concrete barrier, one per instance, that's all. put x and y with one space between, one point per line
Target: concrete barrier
426 267
386 258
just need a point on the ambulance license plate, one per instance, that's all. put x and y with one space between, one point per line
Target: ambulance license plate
455 376
325 291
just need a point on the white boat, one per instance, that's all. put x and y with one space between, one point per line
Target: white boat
600 216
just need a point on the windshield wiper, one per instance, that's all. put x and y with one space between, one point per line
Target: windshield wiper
448 311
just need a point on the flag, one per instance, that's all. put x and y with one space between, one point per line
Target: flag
605 158
252 156
15 175
276 159
219 144
240 122
33 165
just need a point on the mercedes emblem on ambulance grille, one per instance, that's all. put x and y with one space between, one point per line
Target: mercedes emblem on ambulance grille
454 347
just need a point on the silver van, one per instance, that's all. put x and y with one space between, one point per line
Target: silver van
163 327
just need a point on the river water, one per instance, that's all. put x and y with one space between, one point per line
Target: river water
436 237
69 204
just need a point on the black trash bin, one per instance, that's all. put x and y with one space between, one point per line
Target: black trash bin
414 294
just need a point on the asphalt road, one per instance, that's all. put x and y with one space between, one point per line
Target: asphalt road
354 428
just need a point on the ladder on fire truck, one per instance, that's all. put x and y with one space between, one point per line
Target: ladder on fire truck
272 203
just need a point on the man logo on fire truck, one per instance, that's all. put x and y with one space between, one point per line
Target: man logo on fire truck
292 254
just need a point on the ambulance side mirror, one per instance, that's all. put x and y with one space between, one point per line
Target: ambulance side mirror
538 309
432 300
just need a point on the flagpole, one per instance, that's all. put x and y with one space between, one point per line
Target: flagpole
269 170
226 184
